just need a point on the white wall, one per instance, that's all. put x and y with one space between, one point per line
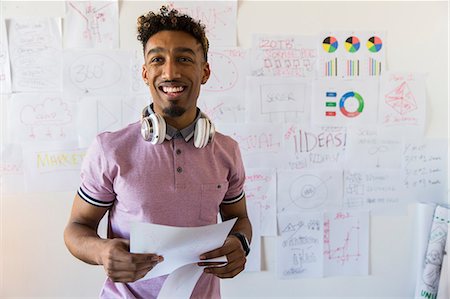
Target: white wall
35 262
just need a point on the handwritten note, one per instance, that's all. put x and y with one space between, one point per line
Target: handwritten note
91 24
346 243
368 148
300 246
402 103
261 190
95 72
53 167
35 117
11 168
312 147
219 17
425 170
309 190
5 70
260 144
272 99
285 56
374 189
35 52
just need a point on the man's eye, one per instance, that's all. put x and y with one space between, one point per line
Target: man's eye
185 59
156 60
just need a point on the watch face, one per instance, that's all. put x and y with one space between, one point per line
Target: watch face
224 73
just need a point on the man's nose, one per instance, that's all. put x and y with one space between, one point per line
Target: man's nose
171 70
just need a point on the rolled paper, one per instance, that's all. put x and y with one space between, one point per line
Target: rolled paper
428 283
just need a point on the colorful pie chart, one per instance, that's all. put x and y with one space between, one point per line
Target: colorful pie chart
352 44
374 44
330 44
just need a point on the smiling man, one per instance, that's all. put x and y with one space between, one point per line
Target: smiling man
171 168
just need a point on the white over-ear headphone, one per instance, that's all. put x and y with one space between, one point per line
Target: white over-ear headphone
153 128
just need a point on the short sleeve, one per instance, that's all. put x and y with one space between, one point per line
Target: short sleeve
236 179
97 177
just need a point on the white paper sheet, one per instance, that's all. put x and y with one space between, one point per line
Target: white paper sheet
253 263
283 55
402 103
344 102
11 169
38 117
100 114
92 24
97 72
366 147
346 243
312 147
428 284
53 167
261 190
138 85
35 52
219 17
178 245
181 282
276 99
374 189
5 70
300 245
260 144
425 170
309 190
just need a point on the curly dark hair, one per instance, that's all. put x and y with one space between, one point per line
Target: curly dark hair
151 23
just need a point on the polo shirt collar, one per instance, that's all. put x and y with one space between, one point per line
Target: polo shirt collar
185 133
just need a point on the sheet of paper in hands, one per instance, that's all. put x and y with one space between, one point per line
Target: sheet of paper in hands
178 245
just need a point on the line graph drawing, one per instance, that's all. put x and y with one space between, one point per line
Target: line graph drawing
342 247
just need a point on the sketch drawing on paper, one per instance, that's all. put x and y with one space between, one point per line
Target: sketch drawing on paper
47 119
354 187
401 99
307 192
93 17
94 71
342 247
227 67
106 118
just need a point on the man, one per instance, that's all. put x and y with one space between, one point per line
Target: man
170 181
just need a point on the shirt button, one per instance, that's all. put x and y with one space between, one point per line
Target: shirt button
178 151
179 170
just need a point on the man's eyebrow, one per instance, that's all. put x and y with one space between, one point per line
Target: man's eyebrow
157 50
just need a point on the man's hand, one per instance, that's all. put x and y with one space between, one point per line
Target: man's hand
122 266
232 249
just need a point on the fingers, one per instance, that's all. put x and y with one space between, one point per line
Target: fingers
235 254
122 266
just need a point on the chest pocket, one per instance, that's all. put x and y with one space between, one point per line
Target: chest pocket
211 197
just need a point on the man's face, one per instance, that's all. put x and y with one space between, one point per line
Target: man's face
174 69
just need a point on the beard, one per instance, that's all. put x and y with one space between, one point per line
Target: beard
174 110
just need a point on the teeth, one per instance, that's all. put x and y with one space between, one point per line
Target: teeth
171 89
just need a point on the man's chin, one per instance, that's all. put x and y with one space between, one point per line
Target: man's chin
174 111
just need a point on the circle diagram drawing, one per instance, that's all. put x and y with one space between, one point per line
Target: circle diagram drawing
308 192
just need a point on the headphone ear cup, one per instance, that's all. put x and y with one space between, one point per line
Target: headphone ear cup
199 133
159 128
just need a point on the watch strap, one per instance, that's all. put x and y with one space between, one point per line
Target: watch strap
243 239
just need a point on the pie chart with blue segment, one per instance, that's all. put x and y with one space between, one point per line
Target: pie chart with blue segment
374 44
352 44
330 44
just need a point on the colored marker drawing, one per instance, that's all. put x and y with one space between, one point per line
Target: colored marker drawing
228 76
401 99
95 19
46 120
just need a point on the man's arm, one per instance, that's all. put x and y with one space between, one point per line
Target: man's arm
82 240
232 248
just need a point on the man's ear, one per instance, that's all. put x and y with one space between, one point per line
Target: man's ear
144 74
206 73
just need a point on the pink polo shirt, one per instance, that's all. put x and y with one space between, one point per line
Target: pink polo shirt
172 183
